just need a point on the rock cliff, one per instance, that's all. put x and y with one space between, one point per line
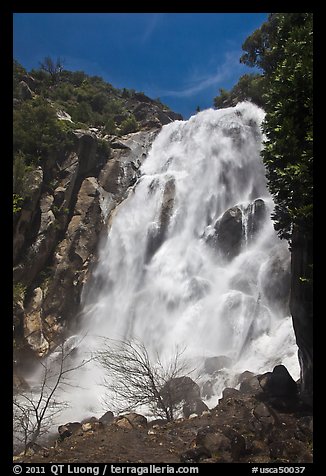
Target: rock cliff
71 199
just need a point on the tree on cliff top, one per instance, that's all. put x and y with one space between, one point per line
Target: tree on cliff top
283 49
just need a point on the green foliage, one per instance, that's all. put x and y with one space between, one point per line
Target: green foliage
250 87
110 126
17 202
103 149
19 291
37 131
19 173
260 46
288 152
18 73
129 125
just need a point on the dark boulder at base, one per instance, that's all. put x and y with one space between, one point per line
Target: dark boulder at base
107 418
69 429
180 388
278 383
197 407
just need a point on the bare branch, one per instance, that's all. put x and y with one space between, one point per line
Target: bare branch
34 411
136 379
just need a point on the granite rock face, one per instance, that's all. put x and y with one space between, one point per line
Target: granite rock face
71 202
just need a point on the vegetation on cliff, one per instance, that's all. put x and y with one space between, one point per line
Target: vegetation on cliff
51 102
282 49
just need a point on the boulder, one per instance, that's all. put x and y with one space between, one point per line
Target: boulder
69 429
131 421
278 383
123 422
180 389
264 415
230 393
136 420
107 418
229 233
92 426
197 407
257 214
250 385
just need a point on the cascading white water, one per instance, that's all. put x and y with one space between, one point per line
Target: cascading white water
165 277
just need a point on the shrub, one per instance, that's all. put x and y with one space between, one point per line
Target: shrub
129 125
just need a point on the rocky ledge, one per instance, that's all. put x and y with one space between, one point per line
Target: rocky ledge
264 421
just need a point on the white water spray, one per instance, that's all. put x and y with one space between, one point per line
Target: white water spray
167 276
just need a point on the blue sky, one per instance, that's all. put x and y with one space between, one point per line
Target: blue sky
182 58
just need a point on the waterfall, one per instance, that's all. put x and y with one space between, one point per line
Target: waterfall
191 257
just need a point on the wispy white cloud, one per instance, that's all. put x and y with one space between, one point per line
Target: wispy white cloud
153 20
223 72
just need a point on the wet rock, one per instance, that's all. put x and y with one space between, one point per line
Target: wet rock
246 375
230 393
229 232
107 418
256 217
157 234
250 386
278 383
